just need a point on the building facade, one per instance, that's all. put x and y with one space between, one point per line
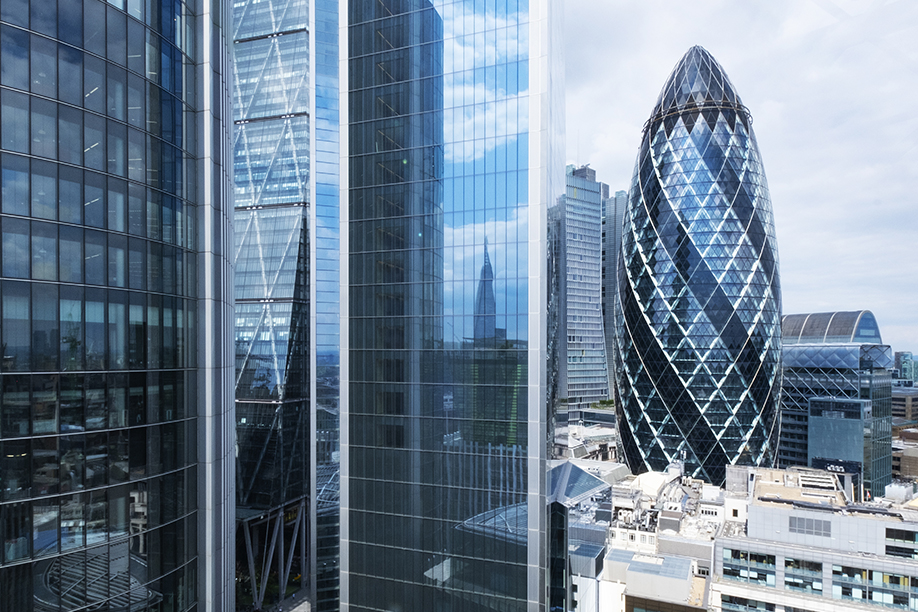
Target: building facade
699 336
286 218
585 369
451 122
116 437
613 209
837 356
792 553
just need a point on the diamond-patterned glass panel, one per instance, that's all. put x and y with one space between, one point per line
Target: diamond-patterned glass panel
699 376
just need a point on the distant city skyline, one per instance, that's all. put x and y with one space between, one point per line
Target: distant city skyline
827 83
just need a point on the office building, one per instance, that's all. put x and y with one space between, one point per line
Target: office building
799 543
699 336
287 249
613 209
116 433
584 371
452 153
837 357
905 364
905 403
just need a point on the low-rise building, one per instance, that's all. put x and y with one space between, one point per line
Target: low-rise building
805 546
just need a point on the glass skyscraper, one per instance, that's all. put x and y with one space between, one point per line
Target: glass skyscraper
699 337
286 218
452 122
584 367
116 377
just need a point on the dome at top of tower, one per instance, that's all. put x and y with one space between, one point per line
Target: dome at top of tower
697 80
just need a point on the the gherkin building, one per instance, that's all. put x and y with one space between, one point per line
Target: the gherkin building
699 372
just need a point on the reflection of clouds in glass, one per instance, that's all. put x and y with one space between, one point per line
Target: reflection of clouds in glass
471 131
463 259
486 77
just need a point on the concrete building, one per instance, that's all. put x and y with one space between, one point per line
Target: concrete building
801 543
116 435
904 403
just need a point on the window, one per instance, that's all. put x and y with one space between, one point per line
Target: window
808 526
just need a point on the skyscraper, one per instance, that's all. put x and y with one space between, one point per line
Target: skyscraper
699 338
585 370
453 155
613 209
286 218
115 416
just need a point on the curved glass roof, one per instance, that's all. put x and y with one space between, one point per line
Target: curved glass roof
831 327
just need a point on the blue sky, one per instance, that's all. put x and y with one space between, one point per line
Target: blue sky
833 90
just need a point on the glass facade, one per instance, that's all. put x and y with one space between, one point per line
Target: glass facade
585 367
613 209
699 339
855 375
286 217
111 210
444 435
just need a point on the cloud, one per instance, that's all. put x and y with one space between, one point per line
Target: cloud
830 85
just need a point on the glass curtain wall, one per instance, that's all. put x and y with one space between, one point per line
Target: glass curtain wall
102 221
445 433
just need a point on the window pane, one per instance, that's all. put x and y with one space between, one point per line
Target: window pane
72 335
94 199
44 190
14 471
70 194
117 194
136 101
44 251
70 67
14 114
117 78
135 43
70 127
94 83
94 142
117 148
45 327
117 260
16 307
71 256
16 255
14 45
95 331
70 23
44 17
44 64
115 31
95 268
94 26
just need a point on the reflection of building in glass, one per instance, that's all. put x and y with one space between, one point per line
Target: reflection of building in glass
836 356
286 244
584 370
115 303
444 427
699 339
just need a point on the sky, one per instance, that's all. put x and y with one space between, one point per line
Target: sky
832 86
